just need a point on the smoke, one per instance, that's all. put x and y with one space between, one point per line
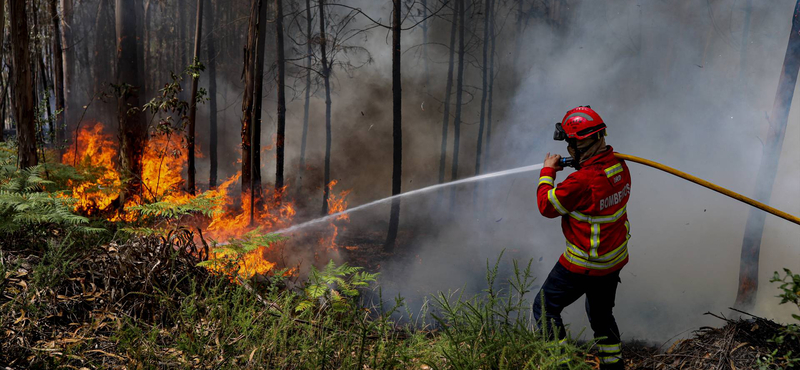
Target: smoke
671 80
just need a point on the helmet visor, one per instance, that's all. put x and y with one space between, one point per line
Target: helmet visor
560 134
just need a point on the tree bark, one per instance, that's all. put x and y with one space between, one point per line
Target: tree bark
397 128
255 138
104 53
68 58
751 245
247 99
310 52
58 74
212 95
447 93
326 71
132 123
425 43
190 137
279 144
23 85
485 88
459 97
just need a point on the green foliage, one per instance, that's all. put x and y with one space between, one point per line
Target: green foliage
492 330
335 287
24 203
168 103
790 293
227 257
206 204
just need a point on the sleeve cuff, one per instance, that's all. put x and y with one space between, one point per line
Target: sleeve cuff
547 171
547 176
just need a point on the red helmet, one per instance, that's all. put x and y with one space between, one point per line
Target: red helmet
580 123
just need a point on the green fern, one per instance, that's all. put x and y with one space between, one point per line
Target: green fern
336 286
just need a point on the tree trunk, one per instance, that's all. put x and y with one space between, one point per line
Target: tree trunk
247 99
23 85
58 69
104 53
492 39
326 72
281 98
132 123
447 93
748 10
751 245
485 88
459 97
190 137
68 58
212 95
425 43
518 41
255 133
397 128
310 52
182 14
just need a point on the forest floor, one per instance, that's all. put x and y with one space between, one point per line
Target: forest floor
144 303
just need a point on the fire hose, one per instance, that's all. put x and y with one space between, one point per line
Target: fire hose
711 186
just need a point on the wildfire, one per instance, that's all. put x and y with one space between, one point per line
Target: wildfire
163 163
94 153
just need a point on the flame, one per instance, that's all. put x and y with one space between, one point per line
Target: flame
163 163
336 204
94 154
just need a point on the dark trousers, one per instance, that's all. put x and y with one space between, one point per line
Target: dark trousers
562 288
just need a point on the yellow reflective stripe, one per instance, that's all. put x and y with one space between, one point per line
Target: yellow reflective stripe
594 241
546 180
609 348
613 170
580 254
551 195
628 228
599 219
596 265
609 359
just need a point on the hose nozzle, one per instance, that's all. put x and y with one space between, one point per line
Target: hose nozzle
567 162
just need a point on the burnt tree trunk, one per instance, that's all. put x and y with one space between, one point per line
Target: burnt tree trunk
190 136
309 51
255 133
279 144
425 43
485 88
24 113
58 75
459 99
212 96
447 93
751 245
247 99
132 123
326 77
397 128
104 54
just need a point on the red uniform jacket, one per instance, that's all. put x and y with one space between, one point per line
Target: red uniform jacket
592 205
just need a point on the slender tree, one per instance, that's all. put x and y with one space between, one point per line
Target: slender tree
190 137
255 133
397 128
485 85
212 94
754 228
247 98
424 27
68 56
459 99
279 145
447 94
310 53
132 123
58 71
23 84
492 39
326 72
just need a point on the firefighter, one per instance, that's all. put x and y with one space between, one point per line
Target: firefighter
592 205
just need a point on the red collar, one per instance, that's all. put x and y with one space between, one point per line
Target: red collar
602 157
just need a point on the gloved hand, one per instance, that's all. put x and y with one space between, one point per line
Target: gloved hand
552 162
